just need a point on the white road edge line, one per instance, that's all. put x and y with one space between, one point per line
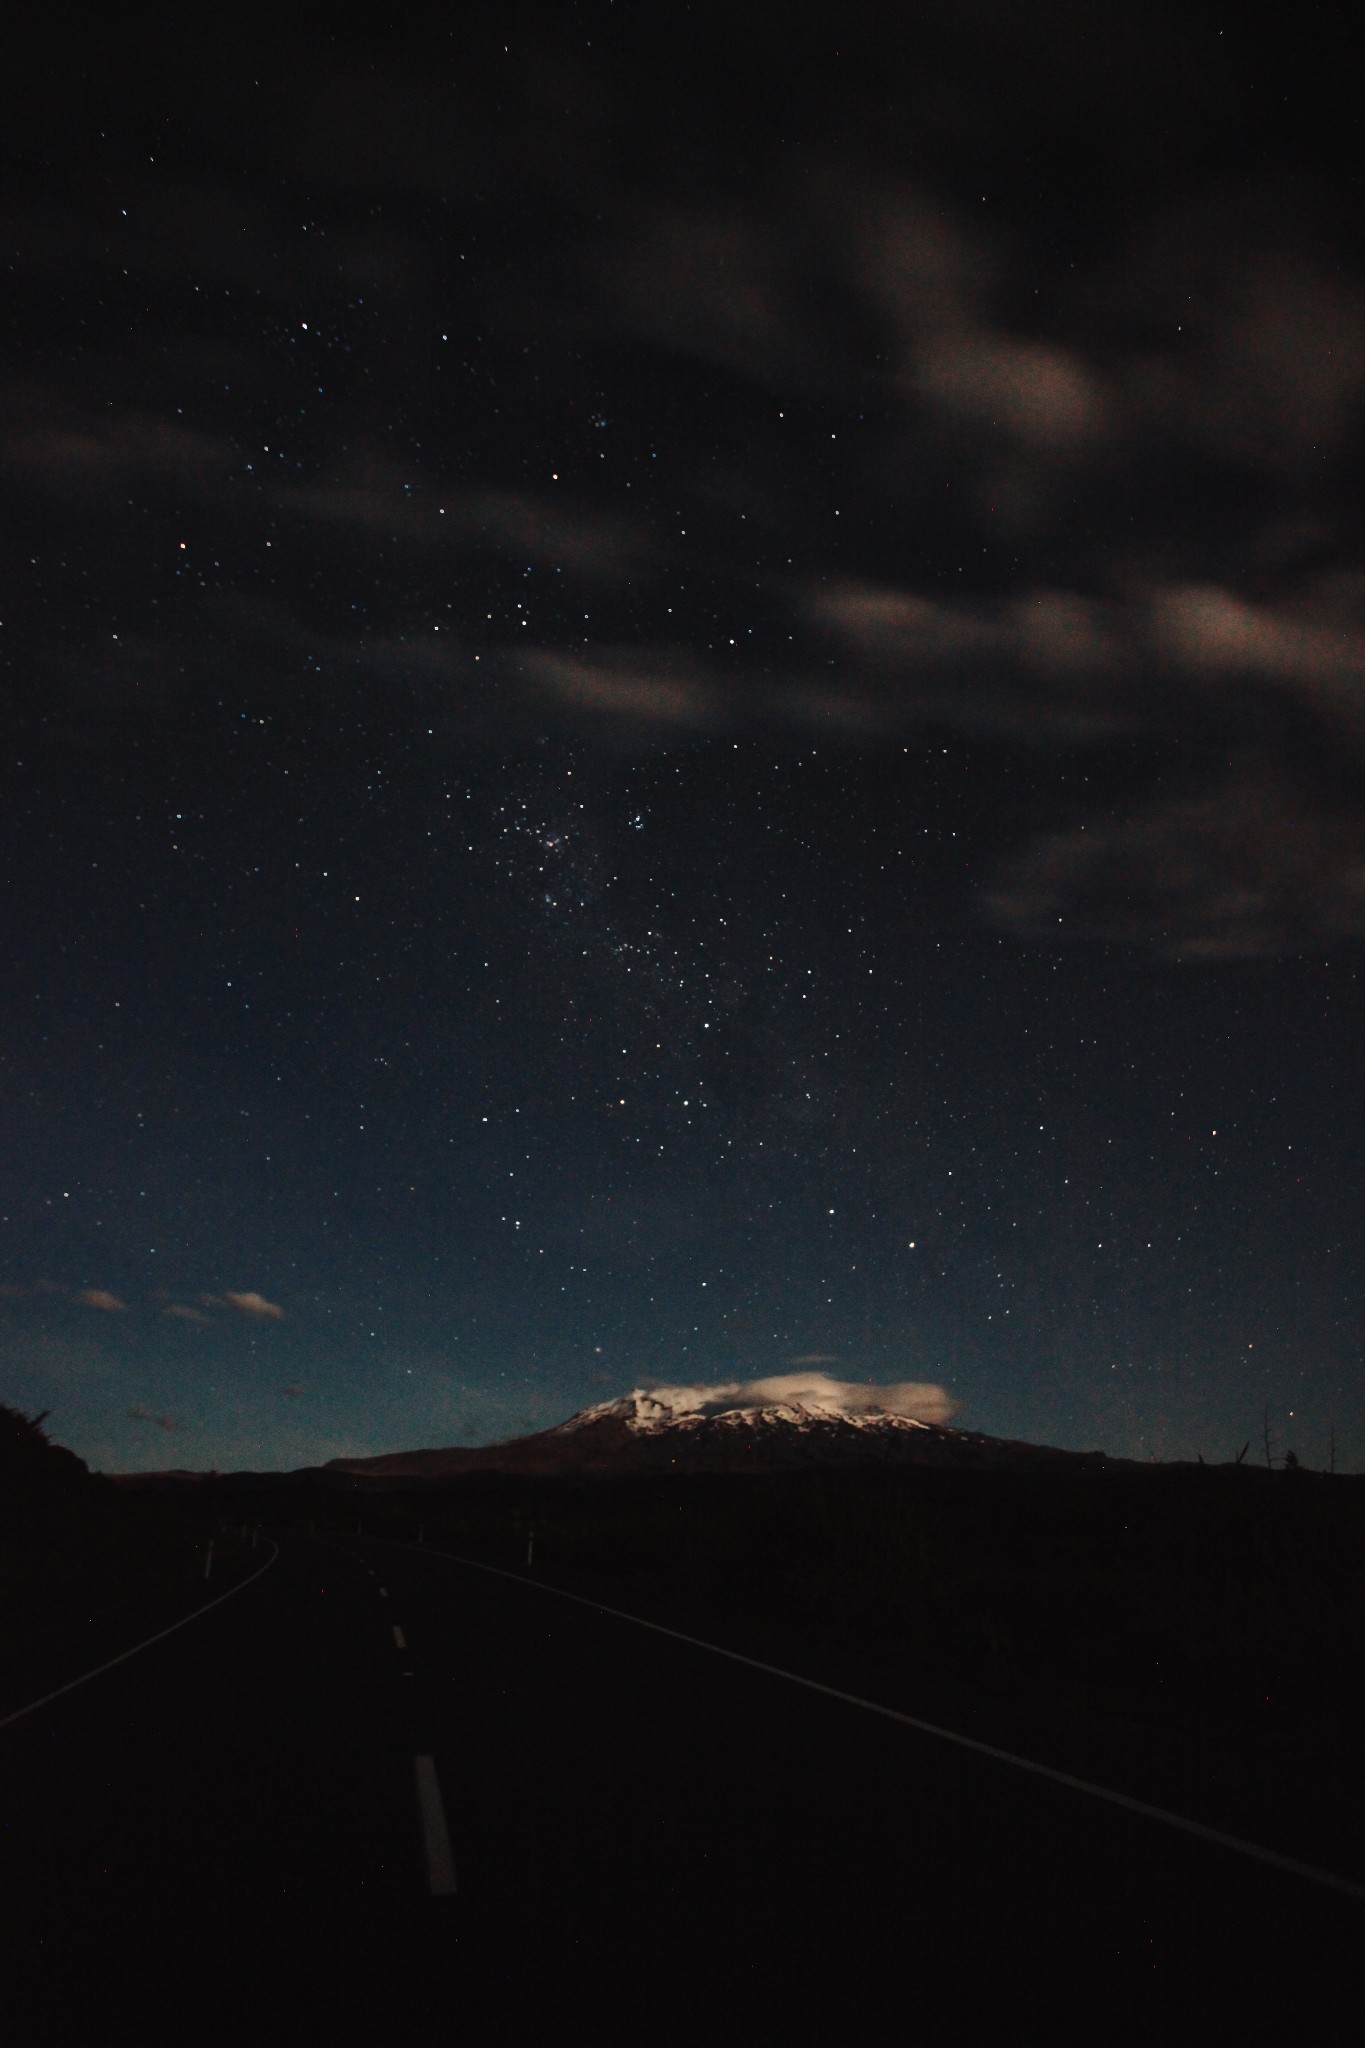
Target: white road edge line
1288 1864
435 1835
146 1644
399 1640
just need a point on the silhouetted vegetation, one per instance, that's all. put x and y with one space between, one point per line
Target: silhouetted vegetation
86 1564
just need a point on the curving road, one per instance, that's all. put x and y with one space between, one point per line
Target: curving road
384 1790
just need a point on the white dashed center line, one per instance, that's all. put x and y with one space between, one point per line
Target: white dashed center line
398 1638
435 1835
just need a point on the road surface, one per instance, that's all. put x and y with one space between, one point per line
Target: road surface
383 1790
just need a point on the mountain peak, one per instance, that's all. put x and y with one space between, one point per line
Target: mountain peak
792 1400
795 1419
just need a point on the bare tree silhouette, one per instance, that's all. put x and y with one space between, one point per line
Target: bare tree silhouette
1268 1439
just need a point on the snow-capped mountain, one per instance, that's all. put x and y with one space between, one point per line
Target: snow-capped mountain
757 1426
795 1401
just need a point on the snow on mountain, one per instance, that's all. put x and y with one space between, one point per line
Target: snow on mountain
797 1401
799 1419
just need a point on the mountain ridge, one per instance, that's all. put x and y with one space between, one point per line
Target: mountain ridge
703 1429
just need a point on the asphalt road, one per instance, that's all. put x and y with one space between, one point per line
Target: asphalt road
224 1838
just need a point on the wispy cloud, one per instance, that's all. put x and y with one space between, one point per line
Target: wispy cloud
70 453
1253 867
917 1400
249 1303
648 686
100 1297
167 1423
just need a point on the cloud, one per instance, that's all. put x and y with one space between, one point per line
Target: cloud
557 533
815 1391
1089 485
1313 646
100 1297
712 280
1246 870
293 1392
166 1422
1153 431
244 1302
910 255
1042 395
1263 860
184 1314
67 451
1049 654
1271 363
917 1399
252 1304
559 529
1041 666
641 686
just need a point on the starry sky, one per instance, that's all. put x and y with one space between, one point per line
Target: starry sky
674 700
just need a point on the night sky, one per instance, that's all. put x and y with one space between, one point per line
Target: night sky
678 697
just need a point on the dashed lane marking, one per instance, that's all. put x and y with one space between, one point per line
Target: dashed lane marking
400 1641
435 1834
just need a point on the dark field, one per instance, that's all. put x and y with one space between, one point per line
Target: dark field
1192 1636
